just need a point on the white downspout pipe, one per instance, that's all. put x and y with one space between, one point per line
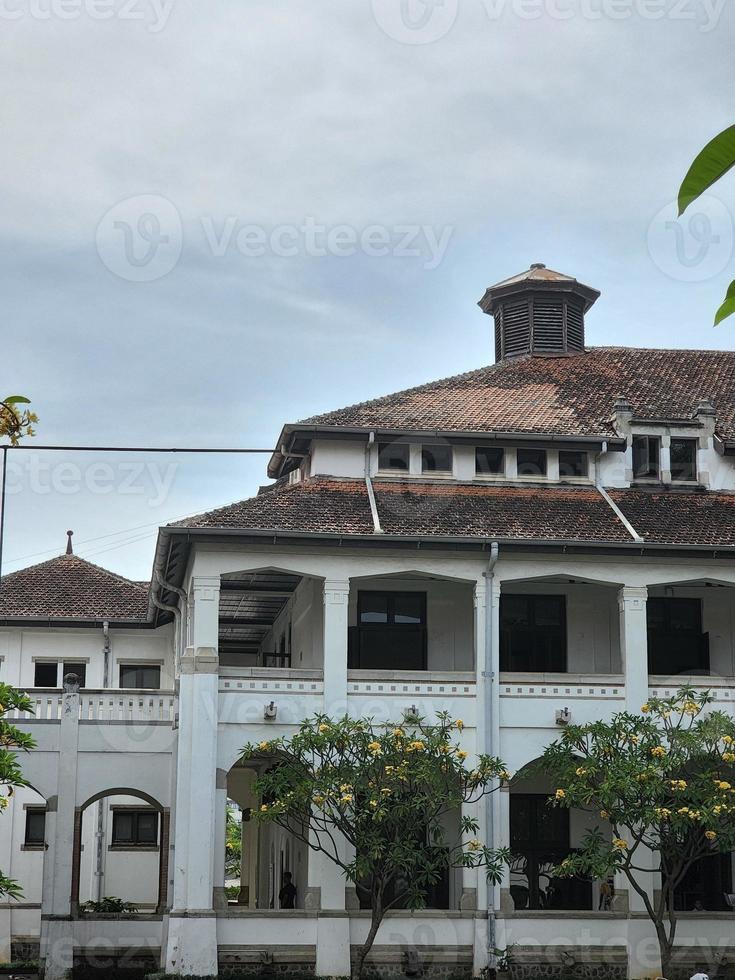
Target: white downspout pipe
491 716
99 841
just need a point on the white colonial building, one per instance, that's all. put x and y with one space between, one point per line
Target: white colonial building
551 537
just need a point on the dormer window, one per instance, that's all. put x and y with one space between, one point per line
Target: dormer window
393 456
646 458
436 459
531 462
573 464
684 460
489 461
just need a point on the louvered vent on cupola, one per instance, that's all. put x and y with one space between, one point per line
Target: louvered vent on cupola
538 312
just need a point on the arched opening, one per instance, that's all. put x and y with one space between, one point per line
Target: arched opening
411 621
689 630
559 625
541 836
270 618
121 842
266 867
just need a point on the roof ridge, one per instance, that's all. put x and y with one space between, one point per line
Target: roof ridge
70 559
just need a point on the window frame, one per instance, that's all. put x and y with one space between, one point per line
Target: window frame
503 459
390 627
388 447
34 845
45 663
134 842
534 630
544 475
650 440
429 447
123 665
584 457
694 444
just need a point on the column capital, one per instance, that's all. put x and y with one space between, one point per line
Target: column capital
632 597
199 660
336 590
205 583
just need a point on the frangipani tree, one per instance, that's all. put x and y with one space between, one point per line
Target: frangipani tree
385 791
664 780
15 419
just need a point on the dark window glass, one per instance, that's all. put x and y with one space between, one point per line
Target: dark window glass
140 677
393 456
572 463
531 462
35 835
646 457
79 669
489 461
704 886
391 633
45 675
676 643
436 459
684 460
373 607
134 828
539 840
533 633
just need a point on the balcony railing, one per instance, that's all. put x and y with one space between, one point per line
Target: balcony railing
103 706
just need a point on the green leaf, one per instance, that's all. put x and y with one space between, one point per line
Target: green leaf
728 307
17 400
712 163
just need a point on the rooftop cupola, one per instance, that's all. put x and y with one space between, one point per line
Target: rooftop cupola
538 312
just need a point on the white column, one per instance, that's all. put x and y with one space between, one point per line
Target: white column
220 820
634 645
336 605
475 892
57 945
192 934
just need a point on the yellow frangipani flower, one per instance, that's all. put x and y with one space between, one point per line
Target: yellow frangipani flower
645 708
461 755
659 751
728 756
459 723
710 835
620 844
690 708
683 810
323 728
474 845
347 798
264 746
604 814
264 808
560 794
662 812
375 748
722 784
581 771
678 784
728 739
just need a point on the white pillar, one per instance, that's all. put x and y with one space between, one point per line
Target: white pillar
634 645
475 891
57 944
192 933
220 819
336 605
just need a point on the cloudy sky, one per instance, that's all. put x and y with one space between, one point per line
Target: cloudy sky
220 216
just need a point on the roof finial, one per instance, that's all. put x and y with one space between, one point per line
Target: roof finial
69 548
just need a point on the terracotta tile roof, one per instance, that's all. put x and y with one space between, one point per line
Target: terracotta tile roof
566 395
674 517
339 506
342 507
524 513
68 587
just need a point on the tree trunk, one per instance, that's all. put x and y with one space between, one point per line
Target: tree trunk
376 919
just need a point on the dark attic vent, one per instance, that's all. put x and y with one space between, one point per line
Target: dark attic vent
538 312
